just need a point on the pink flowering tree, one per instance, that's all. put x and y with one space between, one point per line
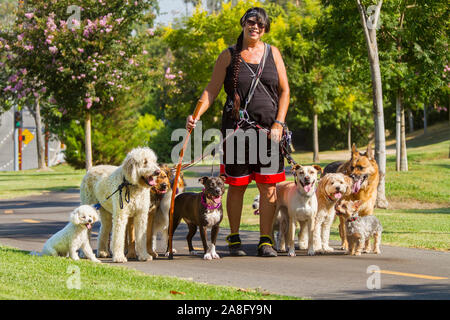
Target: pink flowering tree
81 55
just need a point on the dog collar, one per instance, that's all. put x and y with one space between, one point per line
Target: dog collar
352 219
207 206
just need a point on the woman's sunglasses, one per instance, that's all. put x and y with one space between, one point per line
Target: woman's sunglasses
251 23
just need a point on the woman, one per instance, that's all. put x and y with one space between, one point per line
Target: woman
235 68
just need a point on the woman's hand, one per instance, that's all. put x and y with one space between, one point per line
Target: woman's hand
190 122
276 132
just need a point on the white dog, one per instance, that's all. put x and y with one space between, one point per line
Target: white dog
122 192
74 236
296 201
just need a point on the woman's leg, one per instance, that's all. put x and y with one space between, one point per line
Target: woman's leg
267 206
235 200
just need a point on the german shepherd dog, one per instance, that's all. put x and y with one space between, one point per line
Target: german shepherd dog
363 170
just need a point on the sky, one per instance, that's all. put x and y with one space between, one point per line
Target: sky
170 9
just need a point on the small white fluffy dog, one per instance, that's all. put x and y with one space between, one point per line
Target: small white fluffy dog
331 188
138 170
296 201
74 236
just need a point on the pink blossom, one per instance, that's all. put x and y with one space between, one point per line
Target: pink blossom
29 15
28 47
20 37
53 49
144 51
97 99
80 50
60 69
111 98
94 69
119 20
88 103
151 31
122 53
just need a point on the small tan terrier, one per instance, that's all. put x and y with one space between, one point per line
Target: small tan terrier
359 229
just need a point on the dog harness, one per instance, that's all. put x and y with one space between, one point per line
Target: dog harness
125 184
207 206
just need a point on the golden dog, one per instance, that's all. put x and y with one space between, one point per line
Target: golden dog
363 170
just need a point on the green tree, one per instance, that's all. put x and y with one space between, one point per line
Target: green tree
84 53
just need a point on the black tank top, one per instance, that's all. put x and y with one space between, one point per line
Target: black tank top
263 107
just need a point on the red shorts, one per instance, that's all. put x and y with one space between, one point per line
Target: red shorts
240 173
245 179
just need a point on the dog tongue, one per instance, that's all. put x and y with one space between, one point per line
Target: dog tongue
337 195
307 188
217 199
88 226
356 186
150 181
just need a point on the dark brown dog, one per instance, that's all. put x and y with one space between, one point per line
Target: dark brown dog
203 210
363 170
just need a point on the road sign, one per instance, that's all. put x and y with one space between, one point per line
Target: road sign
27 136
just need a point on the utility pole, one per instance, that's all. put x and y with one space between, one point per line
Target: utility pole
17 140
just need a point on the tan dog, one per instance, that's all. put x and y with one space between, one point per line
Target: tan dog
158 215
363 170
297 202
331 188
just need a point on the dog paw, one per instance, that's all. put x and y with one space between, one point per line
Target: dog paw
103 254
303 246
131 255
377 251
145 257
96 260
154 254
193 253
327 249
119 259
207 256
291 253
215 256
311 252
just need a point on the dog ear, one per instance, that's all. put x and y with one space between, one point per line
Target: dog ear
357 204
223 177
295 167
369 152
75 216
129 169
202 180
354 151
318 168
349 182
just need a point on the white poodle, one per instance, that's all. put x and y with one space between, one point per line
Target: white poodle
74 236
122 192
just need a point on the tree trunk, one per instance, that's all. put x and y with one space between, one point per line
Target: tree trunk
404 152
87 139
315 138
398 103
424 119
39 137
411 121
380 139
349 132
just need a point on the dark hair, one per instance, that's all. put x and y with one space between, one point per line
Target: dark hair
261 17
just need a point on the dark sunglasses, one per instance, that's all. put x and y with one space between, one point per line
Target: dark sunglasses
251 23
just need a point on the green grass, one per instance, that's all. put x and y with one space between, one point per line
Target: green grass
29 277
34 182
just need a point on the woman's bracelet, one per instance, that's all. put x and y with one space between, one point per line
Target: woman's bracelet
279 122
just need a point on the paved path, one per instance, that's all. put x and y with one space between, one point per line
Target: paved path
27 223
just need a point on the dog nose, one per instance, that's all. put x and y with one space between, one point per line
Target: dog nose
338 188
90 220
157 172
163 185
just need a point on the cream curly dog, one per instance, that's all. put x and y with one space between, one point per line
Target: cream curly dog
74 236
122 192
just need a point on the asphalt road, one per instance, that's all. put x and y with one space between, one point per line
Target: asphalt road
403 273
